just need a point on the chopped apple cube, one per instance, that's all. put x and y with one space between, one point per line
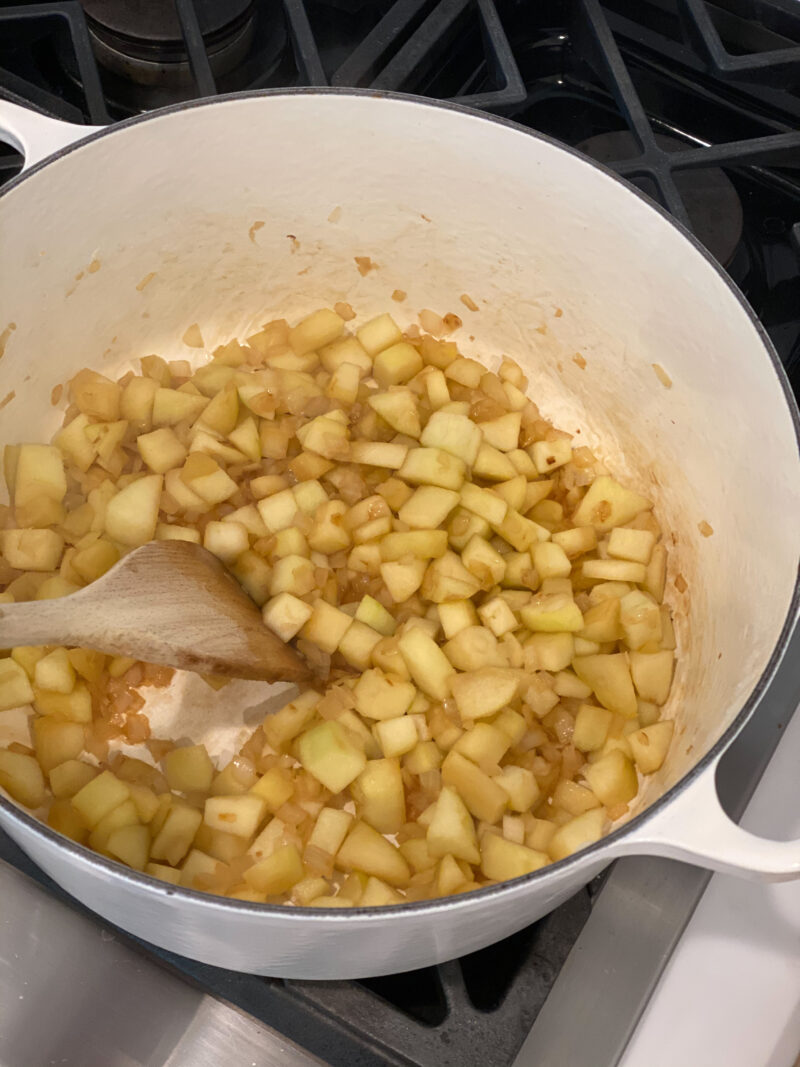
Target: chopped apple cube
379 333
635 545
502 859
315 330
612 778
552 613
579 832
276 873
609 676
328 753
189 769
503 432
591 727
608 504
226 540
480 693
396 364
451 831
382 696
397 736
652 674
69 777
22 778
433 466
520 786
132 515
99 797
482 796
55 742
33 549
453 433
379 795
358 643
650 745
15 686
364 849
428 665
240 814
286 615
398 408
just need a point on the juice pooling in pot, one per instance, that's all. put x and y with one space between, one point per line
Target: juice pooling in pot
481 600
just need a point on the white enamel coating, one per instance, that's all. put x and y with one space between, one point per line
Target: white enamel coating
561 259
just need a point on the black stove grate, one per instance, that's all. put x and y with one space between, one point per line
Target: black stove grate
696 103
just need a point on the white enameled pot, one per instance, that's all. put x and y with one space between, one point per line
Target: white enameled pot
561 258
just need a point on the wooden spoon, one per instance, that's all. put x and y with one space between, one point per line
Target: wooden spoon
168 602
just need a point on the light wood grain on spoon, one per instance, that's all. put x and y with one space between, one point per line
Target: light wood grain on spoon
168 602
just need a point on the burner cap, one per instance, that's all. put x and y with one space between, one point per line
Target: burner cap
711 200
151 29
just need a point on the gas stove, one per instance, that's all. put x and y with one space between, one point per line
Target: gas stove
697 104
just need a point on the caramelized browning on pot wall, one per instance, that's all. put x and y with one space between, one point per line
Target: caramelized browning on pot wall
481 600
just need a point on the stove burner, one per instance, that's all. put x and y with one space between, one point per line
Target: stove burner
144 57
141 41
711 200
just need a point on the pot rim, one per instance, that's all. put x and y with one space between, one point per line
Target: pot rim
463 901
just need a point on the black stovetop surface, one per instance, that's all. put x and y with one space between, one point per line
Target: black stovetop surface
696 103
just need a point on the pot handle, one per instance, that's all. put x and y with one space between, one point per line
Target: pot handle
694 828
36 135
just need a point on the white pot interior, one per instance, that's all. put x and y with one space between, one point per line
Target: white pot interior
445 203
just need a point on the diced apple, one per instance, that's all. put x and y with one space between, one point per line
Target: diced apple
635 545
317 329
22 778
552 613
379 333
656 573
428 665
204 476
520 786
357 644
591 727
502 859
451 830
397 736
550 455
650 745
55 741
69 777
472 648
576 834
171 406
99 797
608 504
286 615
15 686
345 350
514 491
521 533
240 814
379 795
34 549
382 696
276 873
484 503
428 507
398 408
609 677
327 752
132 515
484 744
282 726
396 364
652 674
612 778
482 796
452 433
189 769
601 623
552 651
131 844
161 450
364 849
480 693
483 562
456 615
433 466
